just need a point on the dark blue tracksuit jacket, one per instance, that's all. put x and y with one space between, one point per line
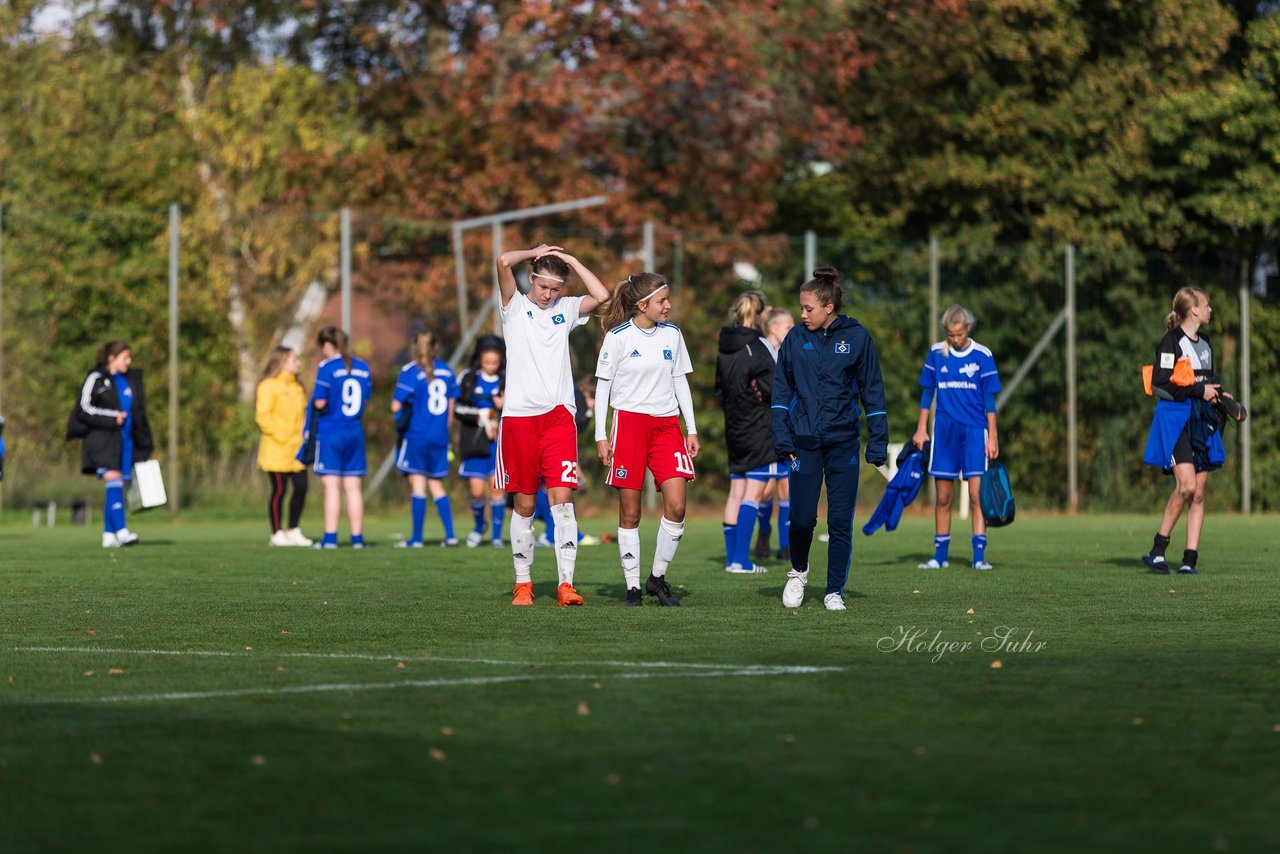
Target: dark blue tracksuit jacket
819 381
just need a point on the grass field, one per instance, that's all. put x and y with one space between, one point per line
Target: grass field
202 692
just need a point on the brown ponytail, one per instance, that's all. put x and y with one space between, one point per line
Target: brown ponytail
424 350
335 336
627 295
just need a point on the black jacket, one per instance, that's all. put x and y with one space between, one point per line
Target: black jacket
93 419
744 381
821 377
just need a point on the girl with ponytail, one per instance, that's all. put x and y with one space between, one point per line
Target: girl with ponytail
425 393
1185 439
111 417
342 389
744 378
642 371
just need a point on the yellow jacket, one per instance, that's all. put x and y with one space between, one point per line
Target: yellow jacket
281 413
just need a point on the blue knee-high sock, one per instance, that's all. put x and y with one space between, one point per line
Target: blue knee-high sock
730 542
747 513
941 545
784 524
979 548
446 516
477 514
498 508
418 514
113 509
764 517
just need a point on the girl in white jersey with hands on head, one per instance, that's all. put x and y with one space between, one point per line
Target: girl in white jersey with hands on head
642 371
537 438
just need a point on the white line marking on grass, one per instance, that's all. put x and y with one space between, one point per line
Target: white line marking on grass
359 656
474 681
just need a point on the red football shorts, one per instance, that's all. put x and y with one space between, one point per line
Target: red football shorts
533 449
640 440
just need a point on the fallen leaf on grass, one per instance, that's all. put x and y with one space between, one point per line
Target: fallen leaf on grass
400 665
996 665
970 611
248 649
1173 591
1138 721
279 668
9 680
811 823
920 750
258 759
584 709
446 730
88 631
1276 728
595 685
613 779
115 671
88 673
437 754
285 632
95 759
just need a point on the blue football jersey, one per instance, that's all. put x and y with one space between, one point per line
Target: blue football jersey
347 392
963 379
486 386
429 395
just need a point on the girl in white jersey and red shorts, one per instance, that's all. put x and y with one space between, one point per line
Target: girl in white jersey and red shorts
642 372
537 438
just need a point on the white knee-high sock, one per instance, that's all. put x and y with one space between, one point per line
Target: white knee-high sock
629 550
566 540
669 534
522 546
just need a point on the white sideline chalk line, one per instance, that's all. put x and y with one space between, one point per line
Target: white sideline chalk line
432 683
359 656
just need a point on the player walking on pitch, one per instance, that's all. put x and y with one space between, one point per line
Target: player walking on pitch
537 438
643 372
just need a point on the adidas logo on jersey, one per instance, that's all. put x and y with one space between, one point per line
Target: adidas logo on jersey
573 546
969 370
635 354
628 556
808 345
530 313
520 557
944 369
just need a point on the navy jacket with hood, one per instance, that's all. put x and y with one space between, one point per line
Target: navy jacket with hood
819 380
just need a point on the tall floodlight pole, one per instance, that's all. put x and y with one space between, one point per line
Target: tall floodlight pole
174 483
346 270
1073 486
1246 397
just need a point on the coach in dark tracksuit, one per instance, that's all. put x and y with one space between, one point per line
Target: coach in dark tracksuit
826 366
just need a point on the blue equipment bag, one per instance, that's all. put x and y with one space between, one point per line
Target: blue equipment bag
996 496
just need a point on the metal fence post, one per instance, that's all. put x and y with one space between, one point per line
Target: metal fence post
496 235
460 279
650 490
1073 464
1246 396
175 485
346 270
810 255
935 285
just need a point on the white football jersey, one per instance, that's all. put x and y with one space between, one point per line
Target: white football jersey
539 376
643 365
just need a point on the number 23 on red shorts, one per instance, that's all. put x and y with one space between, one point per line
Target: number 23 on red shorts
537 449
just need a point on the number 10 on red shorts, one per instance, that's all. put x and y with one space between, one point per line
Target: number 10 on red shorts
537 449
646 440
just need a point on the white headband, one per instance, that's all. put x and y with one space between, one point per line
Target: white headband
545 276
650 296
